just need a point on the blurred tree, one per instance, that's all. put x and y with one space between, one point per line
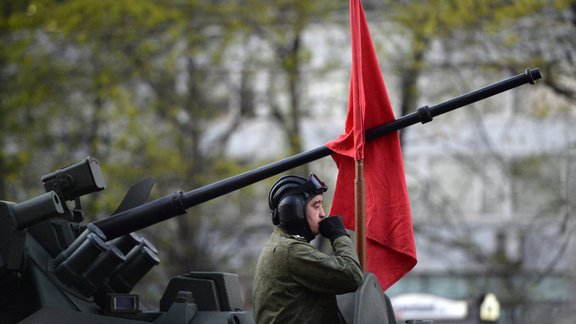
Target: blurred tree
282 24
500 37
20 94
134 83
492 35
138 84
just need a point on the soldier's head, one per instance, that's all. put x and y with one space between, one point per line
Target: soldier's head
288 199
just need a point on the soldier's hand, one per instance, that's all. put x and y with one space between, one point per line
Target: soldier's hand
332 227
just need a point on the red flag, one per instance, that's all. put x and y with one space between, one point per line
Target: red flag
390 248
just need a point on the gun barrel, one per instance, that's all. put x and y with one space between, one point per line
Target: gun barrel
425 114
177 203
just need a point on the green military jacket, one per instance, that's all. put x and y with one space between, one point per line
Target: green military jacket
296 283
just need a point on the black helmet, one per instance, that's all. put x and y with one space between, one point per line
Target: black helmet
287 200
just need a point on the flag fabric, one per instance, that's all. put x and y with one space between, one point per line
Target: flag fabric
390 247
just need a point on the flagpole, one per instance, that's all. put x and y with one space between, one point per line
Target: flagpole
360 212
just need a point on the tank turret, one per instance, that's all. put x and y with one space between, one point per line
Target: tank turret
54 268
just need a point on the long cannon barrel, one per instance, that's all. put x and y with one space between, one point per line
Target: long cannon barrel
176 203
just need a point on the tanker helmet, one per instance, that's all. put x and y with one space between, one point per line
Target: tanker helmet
287 200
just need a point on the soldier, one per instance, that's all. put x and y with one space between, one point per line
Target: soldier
294 282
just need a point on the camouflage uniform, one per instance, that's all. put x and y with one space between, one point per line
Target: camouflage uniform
296 283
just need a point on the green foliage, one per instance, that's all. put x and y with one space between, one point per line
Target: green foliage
134 83
102 78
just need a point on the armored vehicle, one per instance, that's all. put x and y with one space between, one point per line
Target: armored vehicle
54 268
